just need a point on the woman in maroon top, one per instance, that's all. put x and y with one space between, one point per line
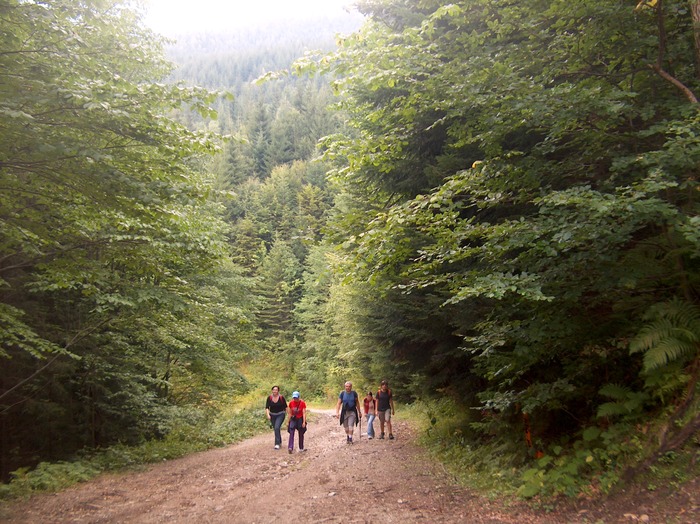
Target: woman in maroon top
370 412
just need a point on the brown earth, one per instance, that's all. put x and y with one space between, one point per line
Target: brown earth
332 482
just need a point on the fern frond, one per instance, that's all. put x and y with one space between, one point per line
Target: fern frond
672 334
666 351
611 409
626 402
679 312
614 391
667 380
651 334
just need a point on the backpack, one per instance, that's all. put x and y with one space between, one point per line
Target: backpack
380 391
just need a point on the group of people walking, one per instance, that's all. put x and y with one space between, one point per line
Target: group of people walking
348 410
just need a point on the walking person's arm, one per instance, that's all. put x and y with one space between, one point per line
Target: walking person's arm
337 408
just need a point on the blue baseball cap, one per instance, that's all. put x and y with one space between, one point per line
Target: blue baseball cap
295 394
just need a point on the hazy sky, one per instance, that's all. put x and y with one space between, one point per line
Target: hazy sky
178 16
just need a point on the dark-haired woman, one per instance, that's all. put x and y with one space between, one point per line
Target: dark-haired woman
275 408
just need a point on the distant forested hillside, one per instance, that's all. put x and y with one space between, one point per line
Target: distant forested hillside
230 59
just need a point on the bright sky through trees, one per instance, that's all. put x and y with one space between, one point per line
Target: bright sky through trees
171 17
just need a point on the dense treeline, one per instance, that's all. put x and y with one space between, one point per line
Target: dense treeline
519 223
119 303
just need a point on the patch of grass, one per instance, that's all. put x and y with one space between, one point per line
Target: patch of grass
673 469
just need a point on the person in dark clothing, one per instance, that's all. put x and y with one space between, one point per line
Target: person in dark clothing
275 408
385 408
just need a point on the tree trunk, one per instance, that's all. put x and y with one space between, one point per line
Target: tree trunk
695 13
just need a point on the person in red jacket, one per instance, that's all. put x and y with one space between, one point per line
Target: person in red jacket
297 421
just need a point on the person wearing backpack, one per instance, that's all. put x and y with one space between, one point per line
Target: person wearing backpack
350 414
297 421
385 408
275 408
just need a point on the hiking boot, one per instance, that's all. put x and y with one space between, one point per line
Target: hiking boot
370 437
391 437
290 451
381 437
277 446
302 450
349 440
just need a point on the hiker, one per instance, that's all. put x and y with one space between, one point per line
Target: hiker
297 421
370 412
351 411
275 408
385 408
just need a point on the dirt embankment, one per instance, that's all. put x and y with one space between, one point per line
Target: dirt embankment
332 482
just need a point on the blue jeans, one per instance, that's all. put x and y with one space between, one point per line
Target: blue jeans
277 419
370 427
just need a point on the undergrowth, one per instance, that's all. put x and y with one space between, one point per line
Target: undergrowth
445 431
223 429
589 466
673 469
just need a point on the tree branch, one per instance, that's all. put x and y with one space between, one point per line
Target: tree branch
78 336
684 89
658 67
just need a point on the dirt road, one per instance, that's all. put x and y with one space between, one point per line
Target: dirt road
366 482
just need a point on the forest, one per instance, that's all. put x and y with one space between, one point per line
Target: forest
491 204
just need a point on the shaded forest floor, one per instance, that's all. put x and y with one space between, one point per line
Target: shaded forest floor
369 481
